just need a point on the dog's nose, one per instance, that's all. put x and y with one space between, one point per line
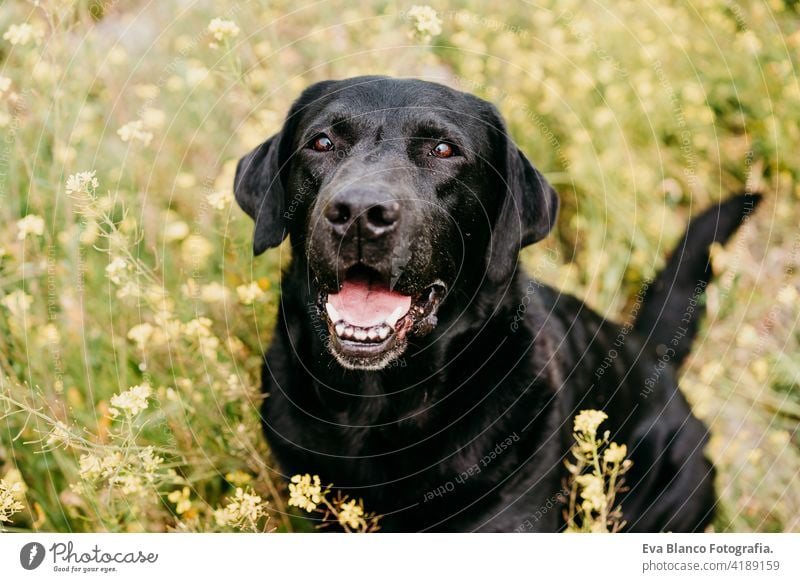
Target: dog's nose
361 210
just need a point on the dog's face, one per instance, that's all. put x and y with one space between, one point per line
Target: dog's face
398 192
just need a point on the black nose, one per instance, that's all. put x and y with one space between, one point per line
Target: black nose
361 209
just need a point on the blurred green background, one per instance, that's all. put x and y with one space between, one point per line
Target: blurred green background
640 114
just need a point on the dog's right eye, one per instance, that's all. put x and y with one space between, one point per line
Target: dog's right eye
321 143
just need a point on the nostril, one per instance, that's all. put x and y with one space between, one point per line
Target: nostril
383 215
338 213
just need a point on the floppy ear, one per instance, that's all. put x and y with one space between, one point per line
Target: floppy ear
528 209
260 184
258 188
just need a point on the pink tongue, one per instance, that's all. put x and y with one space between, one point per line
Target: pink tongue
365 305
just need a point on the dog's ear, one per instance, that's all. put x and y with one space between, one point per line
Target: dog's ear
528 207
260 182
258 188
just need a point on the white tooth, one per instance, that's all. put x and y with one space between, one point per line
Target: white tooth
383 332
396 314
360 335
348 331
332 313
372 333
339 327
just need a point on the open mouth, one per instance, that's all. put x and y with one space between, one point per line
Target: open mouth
369 322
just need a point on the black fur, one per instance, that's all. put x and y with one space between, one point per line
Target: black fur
467 425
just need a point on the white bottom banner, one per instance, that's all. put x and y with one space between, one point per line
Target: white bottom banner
381 557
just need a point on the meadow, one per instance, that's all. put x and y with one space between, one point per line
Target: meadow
133 315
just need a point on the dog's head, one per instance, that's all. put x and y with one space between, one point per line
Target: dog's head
400 192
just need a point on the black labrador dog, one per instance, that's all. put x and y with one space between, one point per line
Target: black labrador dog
410 349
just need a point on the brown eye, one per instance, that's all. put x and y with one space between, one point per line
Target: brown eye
443 150
322 143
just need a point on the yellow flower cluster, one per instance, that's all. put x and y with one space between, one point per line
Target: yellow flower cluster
199 330
587 421
243 511
82 183
351 514
135 473
18 303
180 497
116 269
30 225
132 401
134 131
249 293
9 500
305 491
615 453
593 492
22 34
222 29
595 477
220 200
425 22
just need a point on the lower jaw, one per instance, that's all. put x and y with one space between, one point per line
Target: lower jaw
366 356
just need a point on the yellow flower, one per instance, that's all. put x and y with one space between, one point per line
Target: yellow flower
305 492
747 337
9 503
115 269
82 183
426 23
615 453
175 230
21 34
196 249
238 478
788 295
134 131
760 369
110 464
141 334
587 421
351 514
90 467
196 74
180 497
150 462
219 200
17 302
592 492
153 118
198 328
5 84
249 294
128 483
132 401
213 293
30 225
245 509
222 30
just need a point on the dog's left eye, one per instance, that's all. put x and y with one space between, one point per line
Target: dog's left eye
321 143
444 150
